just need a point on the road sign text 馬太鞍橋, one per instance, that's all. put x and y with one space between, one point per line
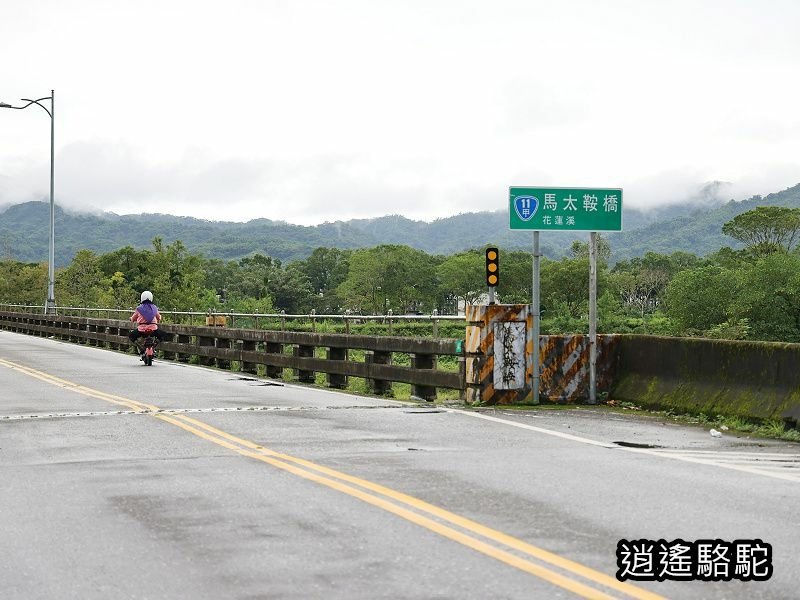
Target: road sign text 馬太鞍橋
565 209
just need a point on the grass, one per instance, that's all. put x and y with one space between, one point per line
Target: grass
359 385
401 328
769 429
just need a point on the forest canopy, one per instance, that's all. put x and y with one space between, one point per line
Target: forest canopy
746 293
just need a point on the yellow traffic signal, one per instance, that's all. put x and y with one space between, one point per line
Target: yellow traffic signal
492 267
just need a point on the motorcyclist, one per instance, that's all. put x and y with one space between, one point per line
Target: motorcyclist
146 317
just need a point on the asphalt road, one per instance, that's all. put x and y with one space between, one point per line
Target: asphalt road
176 481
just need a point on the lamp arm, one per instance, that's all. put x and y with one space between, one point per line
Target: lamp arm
29 102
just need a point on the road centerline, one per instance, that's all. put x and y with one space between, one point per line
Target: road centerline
407 507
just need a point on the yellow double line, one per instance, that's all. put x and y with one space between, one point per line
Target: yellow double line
445 523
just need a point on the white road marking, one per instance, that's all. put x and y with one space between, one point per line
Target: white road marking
702 457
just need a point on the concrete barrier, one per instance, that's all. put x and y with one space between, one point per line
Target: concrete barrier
716 377
565 367
275 350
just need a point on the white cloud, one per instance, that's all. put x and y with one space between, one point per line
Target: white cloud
320 111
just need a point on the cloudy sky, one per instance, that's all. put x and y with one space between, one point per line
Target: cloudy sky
310 110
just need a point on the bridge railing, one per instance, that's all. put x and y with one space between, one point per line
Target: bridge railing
257 351
281 321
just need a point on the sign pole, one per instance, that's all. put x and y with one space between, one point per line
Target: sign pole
565 209
536 315
593 317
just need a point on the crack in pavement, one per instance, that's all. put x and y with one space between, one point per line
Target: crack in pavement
168 411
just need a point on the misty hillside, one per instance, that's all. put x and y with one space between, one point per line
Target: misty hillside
697 231
691 227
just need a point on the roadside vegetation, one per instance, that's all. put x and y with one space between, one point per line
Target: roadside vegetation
727 425
747 294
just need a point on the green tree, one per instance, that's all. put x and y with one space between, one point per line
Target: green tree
641 290
642 281
80 283
326 269
389 277
132 263
252 278
729 258
516 277
23 283
461 278
766 229
565 283
768 297
291 290
118 292
177 279
219 274
580 249
699 299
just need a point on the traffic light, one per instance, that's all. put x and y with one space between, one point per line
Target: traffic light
492 267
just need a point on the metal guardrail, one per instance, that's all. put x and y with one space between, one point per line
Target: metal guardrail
254 320
373 358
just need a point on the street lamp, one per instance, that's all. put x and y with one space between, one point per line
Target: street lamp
50 305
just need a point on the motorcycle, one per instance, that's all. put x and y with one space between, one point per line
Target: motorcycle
147 349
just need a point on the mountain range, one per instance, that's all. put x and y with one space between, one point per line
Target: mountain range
691 226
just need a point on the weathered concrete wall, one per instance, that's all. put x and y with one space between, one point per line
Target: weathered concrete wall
221 346
748 379
565 366
564 360
483 320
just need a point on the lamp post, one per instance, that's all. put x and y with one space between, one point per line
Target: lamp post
50 304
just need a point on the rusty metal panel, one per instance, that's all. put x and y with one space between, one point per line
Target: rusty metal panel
487 341
473 395
473 369
475 313
485 319
486 369
473 340
565 366
512 396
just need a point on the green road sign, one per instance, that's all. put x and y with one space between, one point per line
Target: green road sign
565 209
